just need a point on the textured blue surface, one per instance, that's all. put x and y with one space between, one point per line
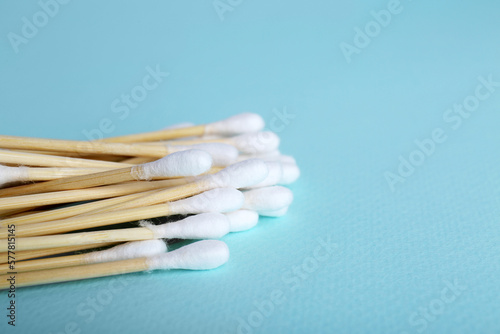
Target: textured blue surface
395 253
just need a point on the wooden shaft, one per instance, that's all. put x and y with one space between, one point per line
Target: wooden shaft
137 160
33 254
223 140
84 147
167 195
103 157
49 263
83 238
133 191
68 196
191 131
5 214
75 273
75 182
31 159
53 173
87 221
23 213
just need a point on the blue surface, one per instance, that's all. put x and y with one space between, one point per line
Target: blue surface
396 251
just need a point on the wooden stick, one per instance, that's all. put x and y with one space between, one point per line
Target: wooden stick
33 254
75 273
50 263
31 159
53 173
75 210
75 182
86 221
114 158
137 160
192 131
22 214
84 147
167 195
86 238
68 196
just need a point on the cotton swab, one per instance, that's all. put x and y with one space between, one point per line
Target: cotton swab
222 154
201 226
215 200
242 123
129 250
184 163
267 199
248 143
201 255
32 159
239 175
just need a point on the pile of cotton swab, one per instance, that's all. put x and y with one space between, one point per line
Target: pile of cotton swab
218 178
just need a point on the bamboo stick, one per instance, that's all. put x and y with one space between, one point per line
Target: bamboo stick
85 238
85 208
192 131
83 147
31 159
87 221
53 173
49 263
75 273
69 196
33 254
74 182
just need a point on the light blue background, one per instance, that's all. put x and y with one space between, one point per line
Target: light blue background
395 250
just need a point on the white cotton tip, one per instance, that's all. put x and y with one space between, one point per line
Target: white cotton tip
291 173
239 175
13 174
222 154
242 220
241 123
184 163
267 199
129 250
273 177
256 142
275 213
201 255
202 226
215 200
